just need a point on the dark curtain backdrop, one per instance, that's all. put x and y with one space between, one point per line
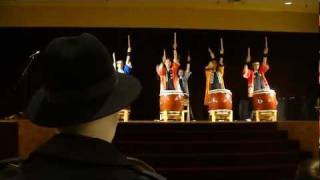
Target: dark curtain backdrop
293 60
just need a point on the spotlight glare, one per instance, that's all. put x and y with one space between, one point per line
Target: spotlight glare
288 3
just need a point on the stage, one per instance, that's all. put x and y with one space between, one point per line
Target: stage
182 150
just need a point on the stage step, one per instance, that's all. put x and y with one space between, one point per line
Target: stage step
272 172
202 126
206 135
219 159
205 150
201 146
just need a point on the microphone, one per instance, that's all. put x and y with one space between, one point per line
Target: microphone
34 54
25 71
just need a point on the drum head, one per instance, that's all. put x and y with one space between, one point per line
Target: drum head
170 92
226 91
264 91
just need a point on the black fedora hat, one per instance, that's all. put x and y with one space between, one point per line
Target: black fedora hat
79 83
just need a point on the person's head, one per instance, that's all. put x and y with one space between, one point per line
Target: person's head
308 170
180 72
256 66
120 64
167 63
213 64
103 128
81 91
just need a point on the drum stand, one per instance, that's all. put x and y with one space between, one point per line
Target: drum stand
186 111
124 115
270 115
221 114
173 115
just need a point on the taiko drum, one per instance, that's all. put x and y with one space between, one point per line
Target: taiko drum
220 99
171 100
264 100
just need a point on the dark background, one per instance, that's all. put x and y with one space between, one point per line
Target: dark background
293 60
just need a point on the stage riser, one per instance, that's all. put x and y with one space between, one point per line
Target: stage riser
212 136
220 160
284 172
198 147
201 127
8 136
212 150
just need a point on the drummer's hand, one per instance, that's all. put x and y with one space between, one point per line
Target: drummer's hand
264 60
221 61
129 49
189 59
248 56
175 45
221 51
266 51
248 60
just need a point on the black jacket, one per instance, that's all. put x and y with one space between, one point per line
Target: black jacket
74 157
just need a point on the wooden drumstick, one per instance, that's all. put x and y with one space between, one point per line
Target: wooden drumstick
114 60
266 48
175 40
129 43
211 53
164 56
189 56
249 55
266 42
221 46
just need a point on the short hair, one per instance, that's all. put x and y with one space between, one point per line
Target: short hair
120 61
308 170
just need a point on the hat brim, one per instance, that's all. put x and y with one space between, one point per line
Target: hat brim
52 114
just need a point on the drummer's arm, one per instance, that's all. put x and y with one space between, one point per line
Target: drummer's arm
264 66
164 56
175 54
187 72
128 61
246 71
175 57
221 70
161 70
175 67
221 66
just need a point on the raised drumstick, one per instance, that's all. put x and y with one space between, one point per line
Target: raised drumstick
221 46
249 55
266 48
164 56
266 42
175 41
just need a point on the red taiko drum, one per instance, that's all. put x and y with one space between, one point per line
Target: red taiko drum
220 99
264 100
171 100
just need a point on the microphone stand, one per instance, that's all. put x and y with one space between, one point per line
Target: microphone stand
12 94
23 79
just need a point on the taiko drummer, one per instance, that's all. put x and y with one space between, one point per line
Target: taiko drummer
184 76
256 77
168 71
214 74
119 65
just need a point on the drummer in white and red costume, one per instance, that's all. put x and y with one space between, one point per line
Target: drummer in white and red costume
256 77
168 71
